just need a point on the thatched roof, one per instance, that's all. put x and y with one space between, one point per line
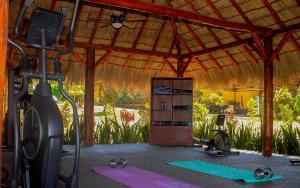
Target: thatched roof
131 56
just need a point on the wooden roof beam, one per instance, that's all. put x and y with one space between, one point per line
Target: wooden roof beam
220 43
260 45
201 65
235 36
240 11
163 66
78 58
100 13
281 24
220 47
126 64
140 33
284 39
199 41
103 58
171 65
120 49
172 46
148 63
181 14
215 62
211 57
162 29
219 67
175 34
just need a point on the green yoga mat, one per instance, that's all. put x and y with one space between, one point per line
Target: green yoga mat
221 171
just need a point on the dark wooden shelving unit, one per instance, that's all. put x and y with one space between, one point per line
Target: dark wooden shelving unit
171 111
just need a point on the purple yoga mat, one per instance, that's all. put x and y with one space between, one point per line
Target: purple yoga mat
138 178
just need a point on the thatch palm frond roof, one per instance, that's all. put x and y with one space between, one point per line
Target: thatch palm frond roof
132 55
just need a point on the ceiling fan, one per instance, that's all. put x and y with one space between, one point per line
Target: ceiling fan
117 21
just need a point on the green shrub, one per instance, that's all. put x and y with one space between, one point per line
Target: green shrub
251 106
283 105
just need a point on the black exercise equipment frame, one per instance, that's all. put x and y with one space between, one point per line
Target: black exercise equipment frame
43 45
212 146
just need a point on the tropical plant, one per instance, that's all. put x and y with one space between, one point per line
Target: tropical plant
216 98
204 129
251 106
283 105
200 111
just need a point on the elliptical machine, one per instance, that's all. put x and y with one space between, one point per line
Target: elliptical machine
219 145
39 146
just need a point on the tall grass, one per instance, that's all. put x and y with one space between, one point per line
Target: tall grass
286 140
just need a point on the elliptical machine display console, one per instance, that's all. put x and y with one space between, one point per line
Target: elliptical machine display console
39 145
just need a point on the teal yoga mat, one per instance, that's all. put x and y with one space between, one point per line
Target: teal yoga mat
221 171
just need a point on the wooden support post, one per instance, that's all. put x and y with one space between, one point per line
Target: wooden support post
3 48
180 66
88 125
268 98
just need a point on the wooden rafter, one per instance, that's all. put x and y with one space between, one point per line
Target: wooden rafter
148 63
186 64
94 30
228 55
240 11
285 38
126 63
202 44
162 29
172 46
213 59
140 33
182 14
175 34
259 45
251 56
163 66
278 21
201 65
220 47
103 58
235 36
199 41
78 58
119 49
171 65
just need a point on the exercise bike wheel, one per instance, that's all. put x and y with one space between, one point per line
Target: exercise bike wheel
32 133
221 142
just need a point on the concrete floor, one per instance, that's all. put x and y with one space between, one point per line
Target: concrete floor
153 158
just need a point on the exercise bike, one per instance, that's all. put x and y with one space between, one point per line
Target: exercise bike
219 145
38 144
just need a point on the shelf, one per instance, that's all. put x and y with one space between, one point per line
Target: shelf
162 110
171 111
182 110
162 94
182 93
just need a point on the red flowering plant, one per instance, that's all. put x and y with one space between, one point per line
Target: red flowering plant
126 116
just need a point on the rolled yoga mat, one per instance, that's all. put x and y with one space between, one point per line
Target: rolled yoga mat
138 178
221 171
